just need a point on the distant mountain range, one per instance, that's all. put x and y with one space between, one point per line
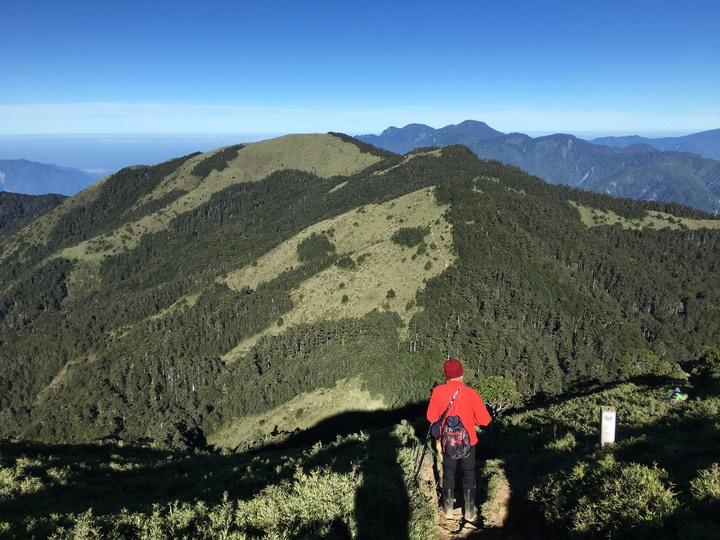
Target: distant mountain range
412 136
683 170
638 171
31 178
705 143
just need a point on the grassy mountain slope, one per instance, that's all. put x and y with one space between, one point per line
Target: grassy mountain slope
366 235
167 305
542 474
16 210
181 185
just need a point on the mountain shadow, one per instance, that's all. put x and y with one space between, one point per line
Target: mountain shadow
108 480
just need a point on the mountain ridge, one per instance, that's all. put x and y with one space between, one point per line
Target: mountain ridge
412 136
640 172
705 143
18 210
31 178
217 326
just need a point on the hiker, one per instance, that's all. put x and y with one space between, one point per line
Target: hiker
470 408
676 397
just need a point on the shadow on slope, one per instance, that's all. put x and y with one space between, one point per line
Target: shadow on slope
46 487
43 485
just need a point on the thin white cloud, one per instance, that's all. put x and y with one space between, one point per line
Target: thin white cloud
146 118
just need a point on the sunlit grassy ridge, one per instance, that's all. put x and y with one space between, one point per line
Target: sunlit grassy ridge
594 217
323 155
301 412
37 232
381 266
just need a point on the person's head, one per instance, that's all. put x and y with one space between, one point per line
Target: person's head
677 390
452 369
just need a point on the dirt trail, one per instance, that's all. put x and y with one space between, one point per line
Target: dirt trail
441 251
492 512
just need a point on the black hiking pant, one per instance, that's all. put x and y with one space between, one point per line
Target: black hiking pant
468 471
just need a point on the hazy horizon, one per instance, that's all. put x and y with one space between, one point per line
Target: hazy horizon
108 153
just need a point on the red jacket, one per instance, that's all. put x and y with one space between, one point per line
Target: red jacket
467 405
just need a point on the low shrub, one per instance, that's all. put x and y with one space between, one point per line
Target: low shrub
607 498
705 487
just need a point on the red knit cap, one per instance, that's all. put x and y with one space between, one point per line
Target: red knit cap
453 369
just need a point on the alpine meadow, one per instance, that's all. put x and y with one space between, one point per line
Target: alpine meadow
242 343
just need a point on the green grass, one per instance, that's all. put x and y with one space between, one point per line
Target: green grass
379 264
541 473
660 473
494 509
360 486
323 155
593 217
301 412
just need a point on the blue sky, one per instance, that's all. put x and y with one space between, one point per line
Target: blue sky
275 67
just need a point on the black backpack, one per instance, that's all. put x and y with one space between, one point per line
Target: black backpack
454 438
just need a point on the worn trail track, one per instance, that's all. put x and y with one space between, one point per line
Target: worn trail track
492 522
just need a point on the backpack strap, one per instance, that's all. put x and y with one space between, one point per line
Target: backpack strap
442 416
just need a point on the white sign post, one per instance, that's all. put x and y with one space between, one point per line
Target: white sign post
607 425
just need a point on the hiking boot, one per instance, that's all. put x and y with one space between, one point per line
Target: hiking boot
448 502
470 510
